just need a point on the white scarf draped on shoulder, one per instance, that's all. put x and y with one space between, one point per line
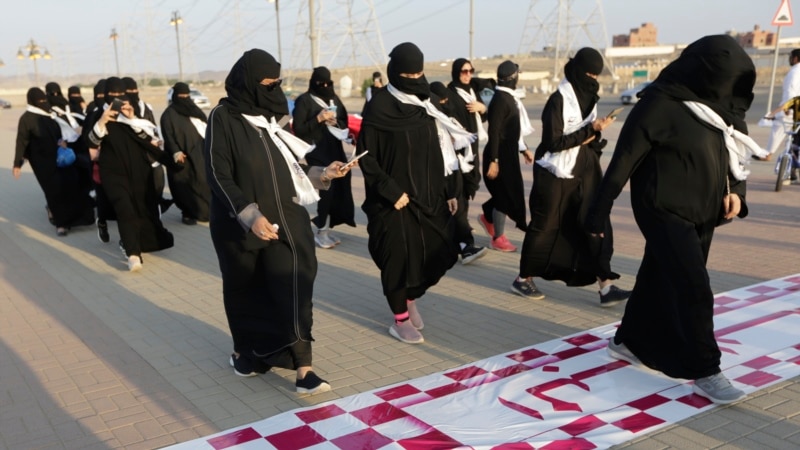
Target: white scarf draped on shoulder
338 133
740 146
452 135
525 127
561 163
68 132
470 97
292 149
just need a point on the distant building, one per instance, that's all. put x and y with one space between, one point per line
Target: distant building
644 36
754 39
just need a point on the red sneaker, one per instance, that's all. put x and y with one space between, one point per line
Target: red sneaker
502 244
489 227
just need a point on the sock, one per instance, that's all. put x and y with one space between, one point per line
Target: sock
606 289
521 279
400 318
499 220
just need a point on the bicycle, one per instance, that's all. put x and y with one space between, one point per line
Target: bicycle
789 159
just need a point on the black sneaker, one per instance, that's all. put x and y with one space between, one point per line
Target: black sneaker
614 296
188 220
311 384
102 231
245 367
470 254
527 288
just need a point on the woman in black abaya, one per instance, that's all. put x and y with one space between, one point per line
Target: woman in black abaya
315 123
684 182
183 126
259 224
407 203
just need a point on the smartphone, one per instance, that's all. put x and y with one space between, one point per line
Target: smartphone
614 113
116 105
352 161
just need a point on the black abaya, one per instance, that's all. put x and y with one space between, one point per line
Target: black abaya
187 180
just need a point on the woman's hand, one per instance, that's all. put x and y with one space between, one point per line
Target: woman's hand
601 124
264 230
16 172
326 116
732 205
476 107
528 155
402 202
452 205
109 115
493 171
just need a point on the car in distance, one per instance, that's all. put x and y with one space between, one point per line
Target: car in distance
629 96
197 97
5 104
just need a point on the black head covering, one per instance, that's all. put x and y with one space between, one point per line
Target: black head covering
455 73
440 96
99 91
185 106
37 98
408 58
75 98
132 91
587 60
713 70
246 94
508 74
319 77
54 95
376 75
114 84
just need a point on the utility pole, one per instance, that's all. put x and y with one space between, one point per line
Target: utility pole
471 28
278 24
312 34
176 20
114 37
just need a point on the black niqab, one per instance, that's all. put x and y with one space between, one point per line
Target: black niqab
408 58
114 84
185 106
75 98
54 95
714 70
132 91
321 85
587 60
246 94
99 91
36 97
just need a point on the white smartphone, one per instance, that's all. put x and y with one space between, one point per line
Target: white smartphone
353 160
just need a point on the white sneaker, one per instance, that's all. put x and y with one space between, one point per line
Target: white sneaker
323 240
621 352
335 239
134 263
718 389
405 332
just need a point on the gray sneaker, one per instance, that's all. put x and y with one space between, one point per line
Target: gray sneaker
526 288
323 240
622 353
718 389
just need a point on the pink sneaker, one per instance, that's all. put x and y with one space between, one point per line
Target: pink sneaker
502 244
489 227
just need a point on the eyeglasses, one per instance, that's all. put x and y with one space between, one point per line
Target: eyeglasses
274 84
466 71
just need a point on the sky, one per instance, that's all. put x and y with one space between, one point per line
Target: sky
214 33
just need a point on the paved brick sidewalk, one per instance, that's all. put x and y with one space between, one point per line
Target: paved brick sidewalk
96 357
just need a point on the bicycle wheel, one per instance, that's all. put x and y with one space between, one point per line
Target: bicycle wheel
781 172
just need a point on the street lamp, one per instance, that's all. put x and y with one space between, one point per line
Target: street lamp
34 52
278 24
114 37
176 20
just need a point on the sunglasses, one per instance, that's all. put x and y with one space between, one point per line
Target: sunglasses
274 84
466 71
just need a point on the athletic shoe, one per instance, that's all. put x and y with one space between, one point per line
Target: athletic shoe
61 231
102 231
414 316
311 384
718 389
323 240
615 295
622 353
335 239
527 288
502 244
487 226
405 332
470 254
245 367
134 263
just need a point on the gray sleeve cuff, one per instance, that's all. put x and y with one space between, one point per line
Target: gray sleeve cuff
248 216
315 175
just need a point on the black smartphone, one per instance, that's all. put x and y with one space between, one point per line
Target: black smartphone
116 105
